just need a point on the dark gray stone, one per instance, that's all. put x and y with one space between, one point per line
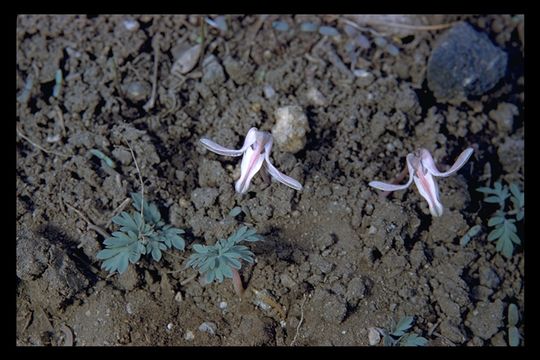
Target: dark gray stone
464 62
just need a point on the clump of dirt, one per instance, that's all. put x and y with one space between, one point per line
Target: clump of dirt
337 258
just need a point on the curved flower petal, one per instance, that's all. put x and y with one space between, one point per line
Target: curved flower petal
430 191
429 164
221 150
393 187
251 164
276 174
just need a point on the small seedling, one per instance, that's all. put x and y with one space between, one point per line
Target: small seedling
223 259
505 231
470 234
399 336
104 158
422 169
514 337
139 235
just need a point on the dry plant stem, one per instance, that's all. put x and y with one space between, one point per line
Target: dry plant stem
397 25
237 283
118 210
301 320
89 224
60 119
189 279
39 146
140 177
150 104
396 181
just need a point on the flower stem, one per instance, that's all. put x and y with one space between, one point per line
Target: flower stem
237 283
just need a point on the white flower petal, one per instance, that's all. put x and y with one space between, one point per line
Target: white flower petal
430 191
276 174
429 164
393 187
251 164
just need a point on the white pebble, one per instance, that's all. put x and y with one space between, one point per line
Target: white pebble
290 129
208 327
223 305
170 326
189 335
131 25
373 336
269 91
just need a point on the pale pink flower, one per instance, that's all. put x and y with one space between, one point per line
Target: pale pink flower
422 170
256 151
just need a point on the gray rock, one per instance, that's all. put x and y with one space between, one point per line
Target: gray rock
486 318
332 308
449 329
488 277
211 173
31 254
204 197
318 262
464 62
356 290
212 71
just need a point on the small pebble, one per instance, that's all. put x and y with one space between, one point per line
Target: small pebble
328 31
363 41
308 27
223 305
129 309
280 25
269 91
170 326
189 335
361 73
208 327
131 25
136 91
373 336
380 42
53 138
392 50
178 297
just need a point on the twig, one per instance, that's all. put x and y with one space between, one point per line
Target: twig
60 119
150 104
39 146
118 210
397 25
89 224
140 178
189 279
301 320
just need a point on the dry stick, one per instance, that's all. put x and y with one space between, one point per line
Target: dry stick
60 119
39 146
191 278
403 26
118 210
301 320
90 225
140 178
150 103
